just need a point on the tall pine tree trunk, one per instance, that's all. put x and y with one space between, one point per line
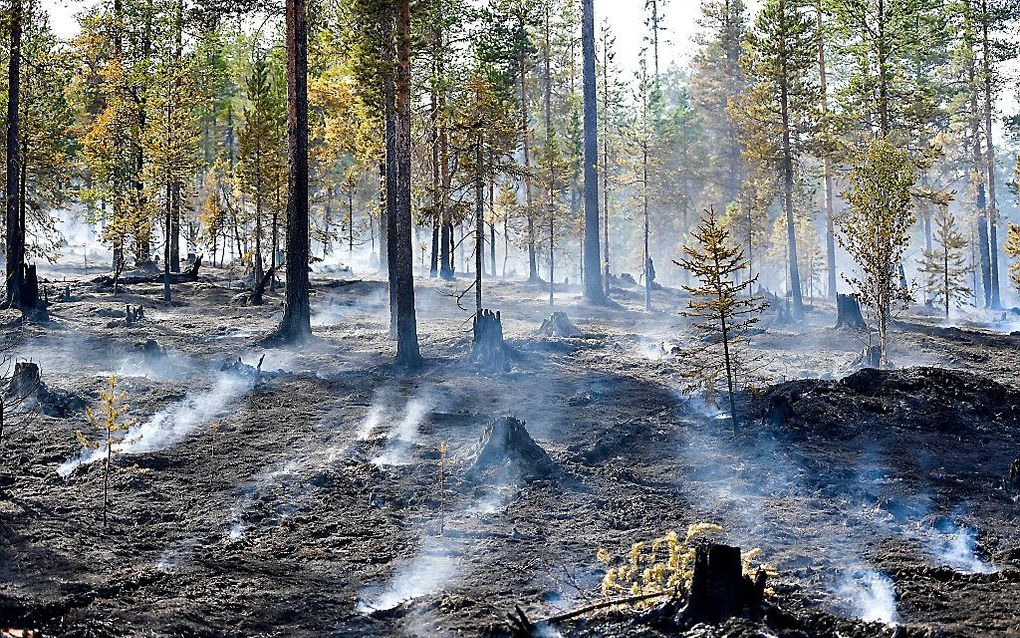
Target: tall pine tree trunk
791 229
526 143
402 255
993 213
830 215
15 236
593 289
296 323
479 218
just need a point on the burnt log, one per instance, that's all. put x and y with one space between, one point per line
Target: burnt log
719 588
488 351
188 276
848 313
26 392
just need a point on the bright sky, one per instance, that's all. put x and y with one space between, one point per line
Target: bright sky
626 16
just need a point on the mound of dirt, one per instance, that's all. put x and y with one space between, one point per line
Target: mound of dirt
926 399
506 452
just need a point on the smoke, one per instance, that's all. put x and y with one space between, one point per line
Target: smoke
868 595
436 563
404 432
956 547
173 423
340 309
749 487
252 493
428 573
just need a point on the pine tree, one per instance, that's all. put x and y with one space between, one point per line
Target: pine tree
875 230
723 310
1012 250
944 266
261 154
110 425
781 62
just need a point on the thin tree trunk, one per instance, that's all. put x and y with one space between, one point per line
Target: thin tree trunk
525 136
479 219
593 289
830 233
993 213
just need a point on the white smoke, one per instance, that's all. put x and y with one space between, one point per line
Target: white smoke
404 433
173 423
956 546
868 595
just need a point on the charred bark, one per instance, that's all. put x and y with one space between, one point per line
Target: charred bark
848 313
296 324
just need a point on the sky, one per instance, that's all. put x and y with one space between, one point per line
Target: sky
627 20
625 16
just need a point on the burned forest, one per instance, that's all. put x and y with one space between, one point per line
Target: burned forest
510 318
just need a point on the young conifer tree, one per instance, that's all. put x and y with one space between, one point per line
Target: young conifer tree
722 309
1012 249
110 425
945 267
875 230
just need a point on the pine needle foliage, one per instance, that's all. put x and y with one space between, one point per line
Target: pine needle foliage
1013 250
945 267
663 565
110 424
875 230
723 310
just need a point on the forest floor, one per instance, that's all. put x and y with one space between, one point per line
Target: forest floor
313 499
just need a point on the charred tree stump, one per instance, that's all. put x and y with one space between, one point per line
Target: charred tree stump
25 381
719 588
488 351
1014 474
848 313
506 451
558 325
871 358
259 289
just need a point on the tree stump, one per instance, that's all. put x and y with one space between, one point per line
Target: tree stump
152 351
871 358
719 588
1014 473
558 325
488 351
25 381
506 452
848 313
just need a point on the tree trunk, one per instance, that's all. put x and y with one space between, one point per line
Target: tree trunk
479 218
719 588
525 135
402 256
791 229
593 289
296 324
993 213
830 234
15 237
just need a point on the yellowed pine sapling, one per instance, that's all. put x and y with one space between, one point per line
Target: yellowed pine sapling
1013 251
722 309
109 425
875 231
945 266
664 565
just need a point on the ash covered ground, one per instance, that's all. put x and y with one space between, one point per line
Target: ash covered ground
311 496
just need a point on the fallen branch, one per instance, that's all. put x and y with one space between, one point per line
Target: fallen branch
521 626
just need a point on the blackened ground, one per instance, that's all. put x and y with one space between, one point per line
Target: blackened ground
277 513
